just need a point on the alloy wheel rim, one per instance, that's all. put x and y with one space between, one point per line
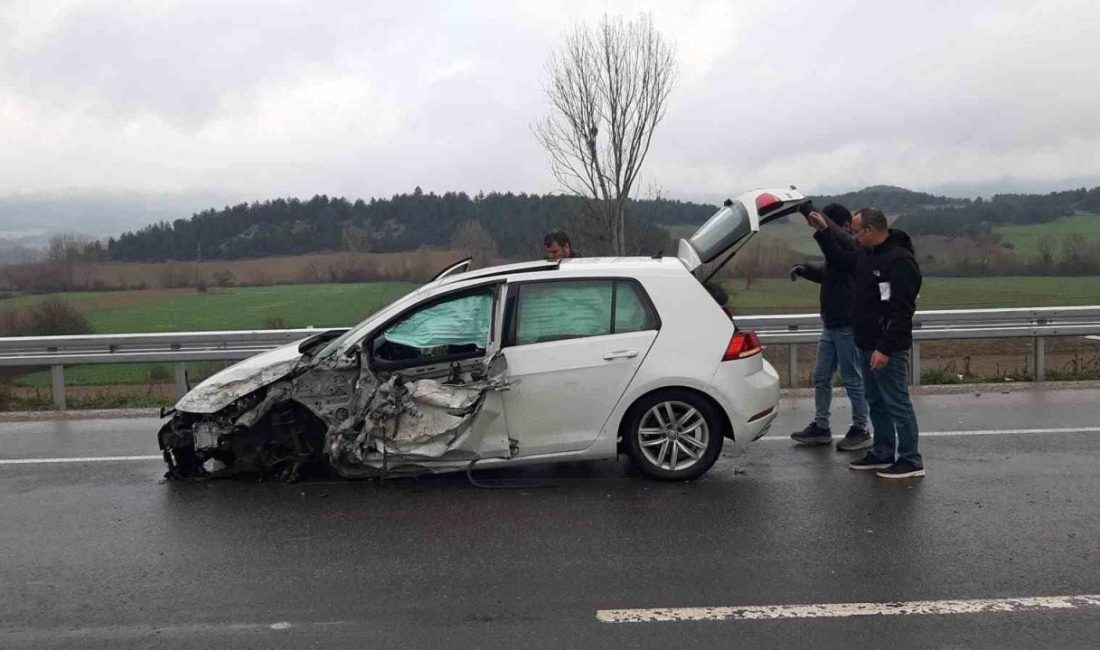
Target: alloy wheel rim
673 435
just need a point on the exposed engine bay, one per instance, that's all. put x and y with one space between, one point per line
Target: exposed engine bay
337 413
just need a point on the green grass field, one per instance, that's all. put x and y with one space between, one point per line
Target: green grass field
302 305
781 295
1025 239
253 307
799 236
345 304
329 305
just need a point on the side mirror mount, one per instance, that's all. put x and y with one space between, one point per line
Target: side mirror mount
497 364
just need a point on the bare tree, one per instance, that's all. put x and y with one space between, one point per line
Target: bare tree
608 87
355 239
1045 247
473 239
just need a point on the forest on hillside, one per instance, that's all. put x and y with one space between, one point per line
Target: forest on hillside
513 223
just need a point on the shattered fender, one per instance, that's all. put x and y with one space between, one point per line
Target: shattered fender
339 412
238 380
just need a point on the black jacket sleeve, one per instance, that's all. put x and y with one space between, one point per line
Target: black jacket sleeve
839 249
812 272
905 281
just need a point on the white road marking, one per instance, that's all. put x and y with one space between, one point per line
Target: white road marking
83 459
984 432
923 434
845 610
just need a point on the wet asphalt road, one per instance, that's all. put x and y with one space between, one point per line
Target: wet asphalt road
104 554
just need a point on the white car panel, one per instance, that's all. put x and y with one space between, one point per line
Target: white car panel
562 392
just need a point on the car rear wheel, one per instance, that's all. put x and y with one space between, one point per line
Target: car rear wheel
673 435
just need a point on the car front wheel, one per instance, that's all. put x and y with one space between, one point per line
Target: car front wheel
673 435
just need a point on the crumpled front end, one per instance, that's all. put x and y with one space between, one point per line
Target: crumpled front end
411 427
340 414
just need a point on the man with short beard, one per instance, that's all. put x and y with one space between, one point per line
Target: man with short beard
887 281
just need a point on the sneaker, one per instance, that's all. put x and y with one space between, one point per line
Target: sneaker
855 440
869 461
901 469
813 435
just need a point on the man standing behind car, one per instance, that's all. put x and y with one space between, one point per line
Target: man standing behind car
887 281
837 347
558 246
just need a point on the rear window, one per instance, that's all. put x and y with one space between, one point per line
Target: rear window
570 309
721 231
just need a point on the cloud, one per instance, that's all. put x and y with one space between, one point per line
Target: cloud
371 98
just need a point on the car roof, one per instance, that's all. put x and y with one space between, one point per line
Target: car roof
575 267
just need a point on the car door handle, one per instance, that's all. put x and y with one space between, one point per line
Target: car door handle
620 354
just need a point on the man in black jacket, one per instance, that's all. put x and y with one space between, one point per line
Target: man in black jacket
836 348
887 281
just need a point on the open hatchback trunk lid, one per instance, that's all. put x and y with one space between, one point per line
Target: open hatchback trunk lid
734 225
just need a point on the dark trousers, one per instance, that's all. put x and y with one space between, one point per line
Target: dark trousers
892 414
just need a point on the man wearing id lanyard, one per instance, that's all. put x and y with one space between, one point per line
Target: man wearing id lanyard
887 280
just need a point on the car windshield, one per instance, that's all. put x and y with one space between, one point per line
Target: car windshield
358 331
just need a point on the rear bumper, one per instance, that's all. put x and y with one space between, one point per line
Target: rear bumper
754 404
758 429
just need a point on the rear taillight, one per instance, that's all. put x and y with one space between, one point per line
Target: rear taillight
765 203
743 345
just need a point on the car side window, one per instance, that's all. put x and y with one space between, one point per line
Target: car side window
569 309
631 310
459 326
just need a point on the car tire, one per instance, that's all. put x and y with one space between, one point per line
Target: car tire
673 435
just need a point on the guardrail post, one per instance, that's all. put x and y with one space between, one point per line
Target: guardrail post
792 364
181 379
57 376
1040 358
914 363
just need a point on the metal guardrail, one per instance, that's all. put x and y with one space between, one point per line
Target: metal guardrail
171 347
1035 323
791 330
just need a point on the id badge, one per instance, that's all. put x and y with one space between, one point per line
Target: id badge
884 291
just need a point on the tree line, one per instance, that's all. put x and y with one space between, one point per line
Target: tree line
511 225
515 222
979 217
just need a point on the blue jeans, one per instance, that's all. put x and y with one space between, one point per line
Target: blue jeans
891 410
837 347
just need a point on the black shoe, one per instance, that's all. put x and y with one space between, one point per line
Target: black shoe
868 462
813 435
901 469
855 440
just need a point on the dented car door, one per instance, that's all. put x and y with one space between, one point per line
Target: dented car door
441 381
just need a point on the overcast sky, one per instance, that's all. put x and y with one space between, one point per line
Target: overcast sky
269 98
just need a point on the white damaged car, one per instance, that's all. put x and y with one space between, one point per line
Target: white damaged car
537 362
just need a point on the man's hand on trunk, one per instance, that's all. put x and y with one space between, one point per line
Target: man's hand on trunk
817 221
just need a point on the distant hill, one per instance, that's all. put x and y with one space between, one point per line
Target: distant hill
981 216
890 199
893 200
30 219
405 222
